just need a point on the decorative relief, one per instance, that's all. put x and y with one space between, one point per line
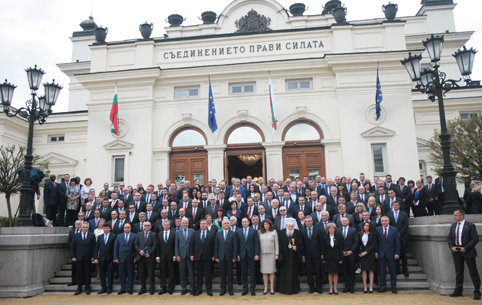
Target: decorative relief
371 115
253 22
123 128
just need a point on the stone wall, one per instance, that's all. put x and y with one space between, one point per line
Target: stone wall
428 243
29 257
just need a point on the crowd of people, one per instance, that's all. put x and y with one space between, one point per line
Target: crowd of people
278 231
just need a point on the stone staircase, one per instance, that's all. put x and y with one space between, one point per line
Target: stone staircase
415 283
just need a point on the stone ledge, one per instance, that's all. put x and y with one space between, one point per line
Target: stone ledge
21 291
33 230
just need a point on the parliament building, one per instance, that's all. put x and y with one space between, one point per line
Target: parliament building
323 73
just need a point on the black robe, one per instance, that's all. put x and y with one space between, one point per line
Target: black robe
288 281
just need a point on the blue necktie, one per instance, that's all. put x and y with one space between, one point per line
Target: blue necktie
105 239
245 234
202 238
165 237
282 223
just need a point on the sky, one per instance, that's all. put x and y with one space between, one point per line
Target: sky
38 31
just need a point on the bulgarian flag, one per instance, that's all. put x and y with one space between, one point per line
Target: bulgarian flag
114 114
272 103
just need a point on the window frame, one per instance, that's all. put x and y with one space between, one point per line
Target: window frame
469 114
383 146
114 158
298 82
243 85
187 89
57 136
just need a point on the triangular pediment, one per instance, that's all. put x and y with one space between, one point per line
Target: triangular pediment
118 145
56 159
421 143
378 132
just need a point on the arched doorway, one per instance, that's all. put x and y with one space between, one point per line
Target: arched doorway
303 153
188 159
244 153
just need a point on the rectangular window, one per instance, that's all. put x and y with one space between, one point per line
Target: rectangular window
246 88
469 114
119 163
187 92
294 174
299 84
312 173
379 159
56 138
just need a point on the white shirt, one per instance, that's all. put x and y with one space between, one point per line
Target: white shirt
458 238
365 239
332 241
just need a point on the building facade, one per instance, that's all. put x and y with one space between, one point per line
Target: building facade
323 76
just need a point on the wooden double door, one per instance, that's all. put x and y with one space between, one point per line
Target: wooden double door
300 161
189 166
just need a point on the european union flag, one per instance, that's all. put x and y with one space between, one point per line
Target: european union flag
211 111
378 97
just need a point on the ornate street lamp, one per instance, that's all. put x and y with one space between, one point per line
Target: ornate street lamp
435 85
34 110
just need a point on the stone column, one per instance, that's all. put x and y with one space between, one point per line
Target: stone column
161 164
274 159
333 157
215 161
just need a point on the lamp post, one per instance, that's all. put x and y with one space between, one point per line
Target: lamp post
434 83
34 110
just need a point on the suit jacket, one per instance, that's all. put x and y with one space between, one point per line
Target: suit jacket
307 209
330 201
180 205
337 220
320 226
226 249
371 244
254 211
202 251
138 227
70 239
166 250
83 250
182 246
62 190
432 194
239 217
210 211
158 225
134 219
199 216
249 247
141 207
360 225
242 191
390 186
128 199
358 199
386 206
105 251
312 247
173 217
289 209
388 248
320 190
123 251
335 252
118 228
91 215
154 217
405 195
51 194
93 225
385 201
401 224
265 216
141 244
470 238
350 243
106 214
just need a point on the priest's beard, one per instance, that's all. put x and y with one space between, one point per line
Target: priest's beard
289 232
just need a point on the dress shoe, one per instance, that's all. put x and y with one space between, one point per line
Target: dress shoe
382 290
109 291
231 292
312 289
72 284
352 290
336 293
477 296
210 293
365 291
346 290
171 290
253 293
196 293
223 292
121 292
272 293
151 291
184 292
405 273
103 290
399 272
79 291
394 290
370 291
456 294
245 292
130 291
240 283
264 293
143 290
330 292
87 291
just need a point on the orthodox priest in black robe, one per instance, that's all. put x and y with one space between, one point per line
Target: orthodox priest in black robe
291 250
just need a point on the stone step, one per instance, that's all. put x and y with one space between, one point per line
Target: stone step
236 288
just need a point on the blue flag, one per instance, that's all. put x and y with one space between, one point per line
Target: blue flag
378 97
211 111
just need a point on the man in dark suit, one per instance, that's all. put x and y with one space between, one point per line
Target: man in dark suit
362 195
62 190
51 198
325 220
93 223
280 220
399 220
289 203
89 212
301 206
404 192
182 249
76 230
431 191
388 250
104 256
127 197
132 215
159 225
165 257
337 219
262 214
139 203
248 254
185 203
388 207
212 207
225 253
388 183
195 213
312 250
124 255
173 211
119 226
350 244
151 216
382 197
105 210
82 253
250 210
462 239
366 218
332 198
145 245
202 253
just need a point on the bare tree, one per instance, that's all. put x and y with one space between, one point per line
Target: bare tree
11 160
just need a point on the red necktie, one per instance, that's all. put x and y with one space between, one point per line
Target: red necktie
194 214
430 187
54 185
274 213
401 188
249 213
385 234
185 205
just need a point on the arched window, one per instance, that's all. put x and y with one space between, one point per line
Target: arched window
243 135
188 137
302 131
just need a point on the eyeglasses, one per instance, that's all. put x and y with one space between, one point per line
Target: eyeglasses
147 225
